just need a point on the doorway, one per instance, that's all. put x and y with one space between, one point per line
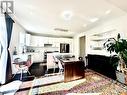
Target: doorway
82 46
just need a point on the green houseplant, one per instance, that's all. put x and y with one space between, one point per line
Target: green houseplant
119 46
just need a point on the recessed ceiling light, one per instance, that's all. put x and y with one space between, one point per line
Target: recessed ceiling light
84 25
108 11
31 13
61 29
94 19
67 15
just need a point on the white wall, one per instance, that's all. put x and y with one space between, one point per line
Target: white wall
15 41
119 24
15 37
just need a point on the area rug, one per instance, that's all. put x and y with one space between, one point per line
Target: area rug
93 83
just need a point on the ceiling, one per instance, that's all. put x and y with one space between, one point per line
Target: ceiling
46 16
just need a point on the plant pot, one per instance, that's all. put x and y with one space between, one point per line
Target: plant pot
120 76
121 64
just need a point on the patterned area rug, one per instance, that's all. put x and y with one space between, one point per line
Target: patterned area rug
94 83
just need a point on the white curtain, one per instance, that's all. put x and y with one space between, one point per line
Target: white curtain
4 54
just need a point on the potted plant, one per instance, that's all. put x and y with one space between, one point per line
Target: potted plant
119 46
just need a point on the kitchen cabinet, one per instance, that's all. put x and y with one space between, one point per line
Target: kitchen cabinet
73 69
22 38
57 44
28 39
38 41
41 41
34 41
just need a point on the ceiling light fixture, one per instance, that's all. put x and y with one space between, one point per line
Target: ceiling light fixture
84 25
94 19
108 11
31 13
61 29
67 15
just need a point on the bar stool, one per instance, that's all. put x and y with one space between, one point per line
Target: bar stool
55 61
61 68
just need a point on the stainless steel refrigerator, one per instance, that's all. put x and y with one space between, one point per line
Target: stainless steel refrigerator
64 48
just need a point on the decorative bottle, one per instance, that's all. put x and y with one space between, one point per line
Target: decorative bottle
15 51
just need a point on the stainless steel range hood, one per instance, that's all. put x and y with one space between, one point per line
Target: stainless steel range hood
47 45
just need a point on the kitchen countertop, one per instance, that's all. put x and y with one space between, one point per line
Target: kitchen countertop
70 60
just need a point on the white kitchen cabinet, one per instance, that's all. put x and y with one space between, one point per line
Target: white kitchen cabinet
39 41
22 38
56 44
34 41
47 40
28 38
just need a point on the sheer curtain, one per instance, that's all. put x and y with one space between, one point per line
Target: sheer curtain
4 54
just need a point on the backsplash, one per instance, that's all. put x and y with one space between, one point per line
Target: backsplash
40 49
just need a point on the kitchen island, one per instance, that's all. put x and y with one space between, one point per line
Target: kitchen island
73 69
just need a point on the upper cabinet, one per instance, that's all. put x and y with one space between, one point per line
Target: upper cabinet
49 43
22 38
34 41
38 41
28 38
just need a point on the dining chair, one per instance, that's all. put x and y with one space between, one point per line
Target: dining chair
22 66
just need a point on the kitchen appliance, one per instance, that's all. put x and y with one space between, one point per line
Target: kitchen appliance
64 48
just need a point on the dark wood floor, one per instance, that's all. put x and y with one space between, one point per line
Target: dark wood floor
40 69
